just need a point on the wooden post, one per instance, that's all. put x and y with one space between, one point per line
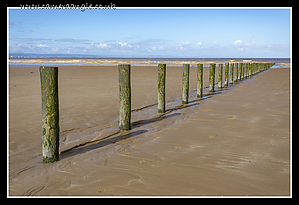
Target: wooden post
124 96
236 72
212 77
239 71
161 87
253 68
231 78
199 80
220 76
226 74
242 71
185 83
50 113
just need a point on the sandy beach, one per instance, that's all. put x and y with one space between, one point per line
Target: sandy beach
234 142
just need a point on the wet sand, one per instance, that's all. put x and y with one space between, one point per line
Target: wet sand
233 142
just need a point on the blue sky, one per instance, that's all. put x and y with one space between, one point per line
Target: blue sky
152 32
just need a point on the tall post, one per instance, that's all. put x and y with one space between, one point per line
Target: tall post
241 71
185 83
161 87
236 72
253 68
220 76
226 74
231 78
212 77
50 113
124 71
199 80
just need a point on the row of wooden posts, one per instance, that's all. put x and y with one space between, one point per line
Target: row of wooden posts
50 106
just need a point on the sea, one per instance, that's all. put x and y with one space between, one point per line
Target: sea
80 60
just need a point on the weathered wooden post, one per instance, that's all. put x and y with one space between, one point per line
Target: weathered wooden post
226 74
236 72
259 67
242 71
231 78
199 80
239 71
185 83
220 76
253 68
124 71
50 113
212 77
161 87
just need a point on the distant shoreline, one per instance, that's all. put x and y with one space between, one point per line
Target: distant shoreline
138 61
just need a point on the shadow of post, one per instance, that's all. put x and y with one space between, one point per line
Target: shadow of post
99 143
139 123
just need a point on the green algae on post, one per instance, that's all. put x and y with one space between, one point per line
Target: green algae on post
50 113
185 83
161 87
220 76
240 71
124 96
245 70
199 80
226 74
231 76
212 77
236 72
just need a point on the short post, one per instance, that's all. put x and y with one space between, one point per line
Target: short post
185 83
226 74
212 77
124 71
220 76
50 113
161 87
231 78
199 80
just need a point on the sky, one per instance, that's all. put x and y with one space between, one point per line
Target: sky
184 33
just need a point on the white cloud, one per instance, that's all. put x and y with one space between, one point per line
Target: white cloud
124 44
101 45
238 41
41 46
185 43
148 47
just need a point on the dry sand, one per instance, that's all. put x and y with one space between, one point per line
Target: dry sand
233 142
